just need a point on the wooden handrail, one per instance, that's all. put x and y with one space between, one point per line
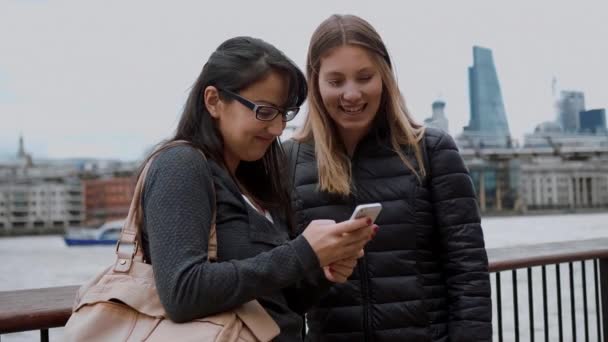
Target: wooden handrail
35 309
509 258
46 308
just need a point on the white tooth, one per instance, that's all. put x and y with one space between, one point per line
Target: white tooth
353 110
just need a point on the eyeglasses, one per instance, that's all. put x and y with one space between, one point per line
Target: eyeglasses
264 112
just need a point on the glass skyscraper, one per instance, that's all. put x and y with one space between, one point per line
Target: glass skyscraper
488 124
571 104
593 121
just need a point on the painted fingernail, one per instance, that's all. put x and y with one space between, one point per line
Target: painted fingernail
331 270
376 228
369 221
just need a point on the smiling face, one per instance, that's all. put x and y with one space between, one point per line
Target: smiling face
350 86
245 137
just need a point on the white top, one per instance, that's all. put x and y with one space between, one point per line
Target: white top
266 213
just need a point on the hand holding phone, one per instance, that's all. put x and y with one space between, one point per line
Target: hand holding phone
371 210
340 271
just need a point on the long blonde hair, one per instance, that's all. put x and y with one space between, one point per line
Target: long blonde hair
332 162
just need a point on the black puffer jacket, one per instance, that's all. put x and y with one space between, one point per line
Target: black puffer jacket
424 277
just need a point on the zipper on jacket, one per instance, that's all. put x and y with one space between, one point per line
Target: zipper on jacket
363 280
362 266
367 327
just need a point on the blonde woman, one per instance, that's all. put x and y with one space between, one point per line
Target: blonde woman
424 277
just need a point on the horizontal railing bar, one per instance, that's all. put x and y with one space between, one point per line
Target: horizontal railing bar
35 309
509 258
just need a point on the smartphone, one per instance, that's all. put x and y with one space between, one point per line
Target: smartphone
371 210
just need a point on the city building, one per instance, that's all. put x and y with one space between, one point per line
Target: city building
496 183
552 183
593 121
107 198
40 204
550 134
23 158
488 126
48 195
574 127
561 139
38 197
508 183
438 119
570 104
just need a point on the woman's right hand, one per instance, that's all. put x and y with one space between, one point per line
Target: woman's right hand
341 270
333 241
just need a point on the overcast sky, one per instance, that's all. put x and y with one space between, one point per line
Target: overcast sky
108 79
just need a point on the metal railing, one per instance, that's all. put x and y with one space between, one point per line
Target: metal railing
43 309
583 290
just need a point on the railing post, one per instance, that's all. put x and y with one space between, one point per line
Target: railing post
44 335
604 289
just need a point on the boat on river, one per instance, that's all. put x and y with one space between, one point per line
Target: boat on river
106 234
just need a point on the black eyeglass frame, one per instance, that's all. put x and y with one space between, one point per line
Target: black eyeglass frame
256 107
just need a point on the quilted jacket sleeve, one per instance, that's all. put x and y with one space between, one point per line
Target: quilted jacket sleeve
464 258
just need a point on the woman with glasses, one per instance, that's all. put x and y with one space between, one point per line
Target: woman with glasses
235 113
424 277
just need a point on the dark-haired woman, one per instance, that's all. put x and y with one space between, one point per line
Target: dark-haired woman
235 112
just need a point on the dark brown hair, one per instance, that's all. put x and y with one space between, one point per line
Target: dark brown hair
236 64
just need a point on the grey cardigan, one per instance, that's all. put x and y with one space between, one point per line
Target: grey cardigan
256 259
